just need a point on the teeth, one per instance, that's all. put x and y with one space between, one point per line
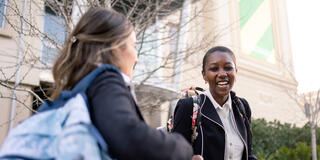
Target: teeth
222 83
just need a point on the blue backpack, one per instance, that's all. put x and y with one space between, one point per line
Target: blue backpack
61 130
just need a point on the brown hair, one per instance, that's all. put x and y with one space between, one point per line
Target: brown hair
90 43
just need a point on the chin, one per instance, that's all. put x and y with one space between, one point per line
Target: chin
224 93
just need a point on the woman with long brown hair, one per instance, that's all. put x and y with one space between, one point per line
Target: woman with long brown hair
103 36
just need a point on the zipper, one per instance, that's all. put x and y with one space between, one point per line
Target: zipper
201 141
205 97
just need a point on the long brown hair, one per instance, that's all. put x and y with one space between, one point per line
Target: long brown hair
90 43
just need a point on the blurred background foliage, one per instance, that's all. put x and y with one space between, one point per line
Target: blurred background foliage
276 141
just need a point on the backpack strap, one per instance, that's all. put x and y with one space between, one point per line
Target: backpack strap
241 103
81 86
241 107
196 117
86 82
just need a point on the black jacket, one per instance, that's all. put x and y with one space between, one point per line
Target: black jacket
211 135
114 112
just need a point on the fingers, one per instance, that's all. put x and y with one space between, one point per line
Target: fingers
191 91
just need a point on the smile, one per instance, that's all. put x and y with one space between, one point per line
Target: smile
222 84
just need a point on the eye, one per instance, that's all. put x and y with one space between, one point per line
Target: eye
214 69
228 68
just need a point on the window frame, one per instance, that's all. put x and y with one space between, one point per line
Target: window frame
2 24
46 43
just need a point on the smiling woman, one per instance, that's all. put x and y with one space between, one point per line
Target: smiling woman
219 70
224 128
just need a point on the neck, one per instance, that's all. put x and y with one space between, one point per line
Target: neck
221 100
127 73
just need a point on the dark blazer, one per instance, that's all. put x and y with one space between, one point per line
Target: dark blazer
210 142
117 117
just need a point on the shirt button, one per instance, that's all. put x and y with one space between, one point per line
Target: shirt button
230 144
230 157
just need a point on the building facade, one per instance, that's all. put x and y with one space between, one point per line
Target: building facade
258 33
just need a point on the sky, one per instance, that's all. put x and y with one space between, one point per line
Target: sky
304 27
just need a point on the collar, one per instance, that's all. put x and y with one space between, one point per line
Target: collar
214 102
126 79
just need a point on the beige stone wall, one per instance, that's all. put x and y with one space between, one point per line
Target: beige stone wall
31 45
5 112
22 109
29 65
268 98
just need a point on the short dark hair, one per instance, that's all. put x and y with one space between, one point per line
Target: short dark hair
214 49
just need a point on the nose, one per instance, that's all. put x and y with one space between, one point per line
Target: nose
222 74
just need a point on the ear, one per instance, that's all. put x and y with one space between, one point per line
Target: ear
235 77
114 50
117 52
204 76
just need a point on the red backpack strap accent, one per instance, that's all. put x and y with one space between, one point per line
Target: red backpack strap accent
196 117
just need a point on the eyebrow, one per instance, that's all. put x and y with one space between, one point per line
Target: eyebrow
216 63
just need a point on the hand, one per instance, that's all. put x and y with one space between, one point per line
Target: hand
197 157
191 91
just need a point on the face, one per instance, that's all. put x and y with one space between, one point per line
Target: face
127 56
220 74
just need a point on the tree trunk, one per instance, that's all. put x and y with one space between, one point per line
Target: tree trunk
313 140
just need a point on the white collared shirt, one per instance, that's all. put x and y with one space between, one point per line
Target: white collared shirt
128 82
233 143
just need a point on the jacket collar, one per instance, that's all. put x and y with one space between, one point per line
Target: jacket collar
130 85
208 111
239 118
215 103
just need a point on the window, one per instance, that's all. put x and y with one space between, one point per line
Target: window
149 56
54 28
2 12
173 33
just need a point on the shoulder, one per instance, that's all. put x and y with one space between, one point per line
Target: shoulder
184 105
109 75
182 117
184 101
245 105
107 81
189 100
183 108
